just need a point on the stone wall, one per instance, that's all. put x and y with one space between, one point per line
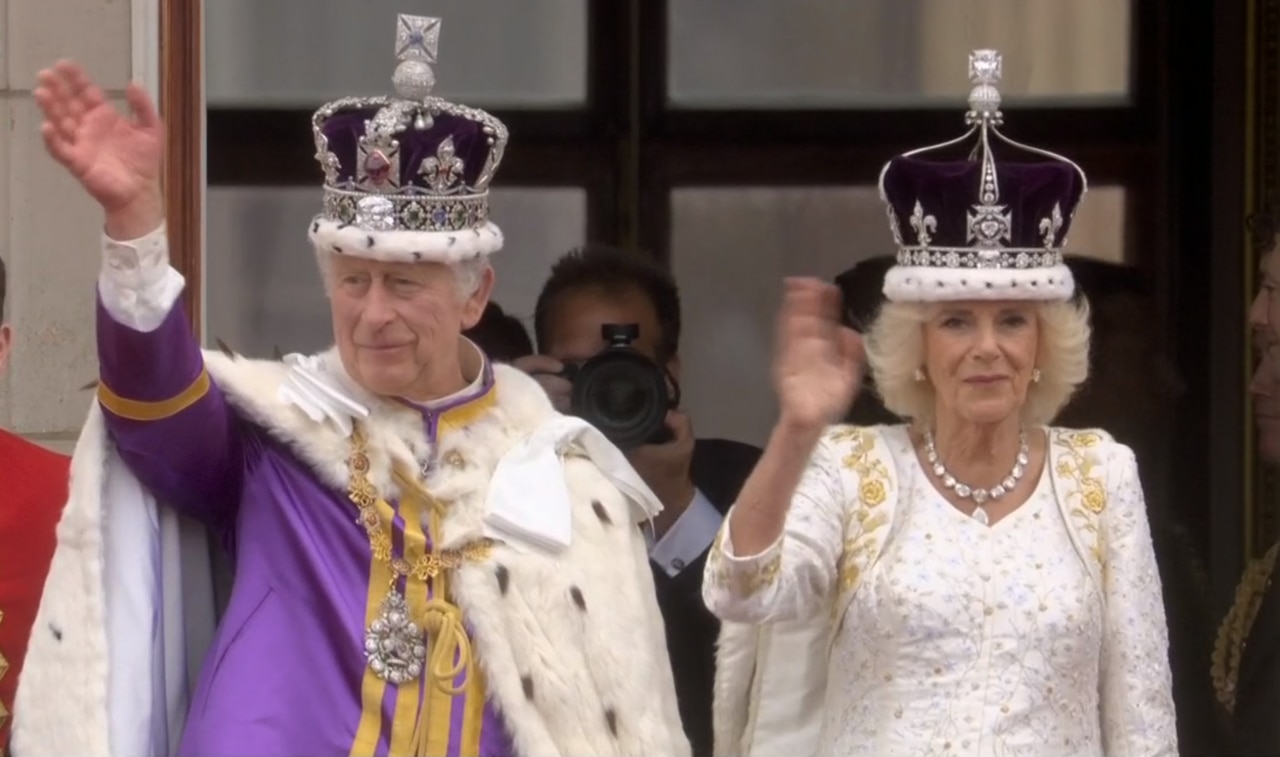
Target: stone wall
49 230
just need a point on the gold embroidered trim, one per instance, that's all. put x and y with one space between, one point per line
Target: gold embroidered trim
742 582
1087 499
1233 634
865 519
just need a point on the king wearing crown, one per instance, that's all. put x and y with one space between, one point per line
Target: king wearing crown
428 560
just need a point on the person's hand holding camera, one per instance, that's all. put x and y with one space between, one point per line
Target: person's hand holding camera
547 371
666 469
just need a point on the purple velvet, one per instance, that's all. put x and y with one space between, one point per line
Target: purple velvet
948 191
199 465
343 130
285 670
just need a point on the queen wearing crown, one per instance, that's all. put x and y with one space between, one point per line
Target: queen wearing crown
428 559
982 582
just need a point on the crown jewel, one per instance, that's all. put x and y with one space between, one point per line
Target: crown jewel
979 213
410 163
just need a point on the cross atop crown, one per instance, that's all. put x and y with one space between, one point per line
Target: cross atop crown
417 41
417 37
984 100
406 177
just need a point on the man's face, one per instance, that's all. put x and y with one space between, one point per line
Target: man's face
6 340
1266 404
574 324
1264 313
397 324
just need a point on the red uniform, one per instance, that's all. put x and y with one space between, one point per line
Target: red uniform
33 489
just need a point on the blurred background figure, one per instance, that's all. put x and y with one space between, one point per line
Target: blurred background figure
608 324
502 336
1246 653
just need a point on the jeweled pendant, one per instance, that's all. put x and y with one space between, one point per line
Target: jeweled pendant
394 647
980 515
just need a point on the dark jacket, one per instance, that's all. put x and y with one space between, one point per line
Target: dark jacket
1256 720
720 467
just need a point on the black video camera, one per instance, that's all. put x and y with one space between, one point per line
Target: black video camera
624 394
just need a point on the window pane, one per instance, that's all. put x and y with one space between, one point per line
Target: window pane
263 289
1098 230
300 53
878 53
731 248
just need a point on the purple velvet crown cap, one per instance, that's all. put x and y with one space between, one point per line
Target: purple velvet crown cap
986 226
1037 198
406 177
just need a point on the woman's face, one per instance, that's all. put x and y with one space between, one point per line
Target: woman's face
979 357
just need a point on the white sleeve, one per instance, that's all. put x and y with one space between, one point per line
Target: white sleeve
137 285
795 576
1137 691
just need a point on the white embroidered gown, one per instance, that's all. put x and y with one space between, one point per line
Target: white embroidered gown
962 639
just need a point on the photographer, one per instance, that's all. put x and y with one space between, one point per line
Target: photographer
607 327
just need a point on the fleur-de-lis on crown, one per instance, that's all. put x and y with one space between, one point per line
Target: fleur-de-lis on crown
1050 226
444 170
924 225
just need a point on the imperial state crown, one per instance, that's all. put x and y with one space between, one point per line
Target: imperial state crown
982 225
406 178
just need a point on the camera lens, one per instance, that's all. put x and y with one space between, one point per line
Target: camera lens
624 395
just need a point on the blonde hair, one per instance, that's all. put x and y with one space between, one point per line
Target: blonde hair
895 350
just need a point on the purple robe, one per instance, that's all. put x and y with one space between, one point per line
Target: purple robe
286 674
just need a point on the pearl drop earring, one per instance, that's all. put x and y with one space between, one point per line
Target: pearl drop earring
919 374
1035 376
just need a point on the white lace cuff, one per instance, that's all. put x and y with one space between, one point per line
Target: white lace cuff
137 285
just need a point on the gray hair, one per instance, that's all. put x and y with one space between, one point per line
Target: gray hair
467 273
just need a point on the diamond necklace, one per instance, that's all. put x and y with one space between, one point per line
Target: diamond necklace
978 495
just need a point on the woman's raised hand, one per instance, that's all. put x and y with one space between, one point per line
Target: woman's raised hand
818 361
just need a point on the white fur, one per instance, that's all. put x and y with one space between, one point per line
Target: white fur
930 284
404 246
113 541
584 659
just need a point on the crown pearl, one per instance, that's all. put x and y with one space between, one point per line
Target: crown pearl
414 79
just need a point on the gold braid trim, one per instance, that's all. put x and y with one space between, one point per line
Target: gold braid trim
1233 634
442 620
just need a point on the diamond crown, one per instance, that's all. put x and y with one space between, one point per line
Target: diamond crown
412 161
988 235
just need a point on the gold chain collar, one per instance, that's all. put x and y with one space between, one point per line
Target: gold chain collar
1233 634
440 619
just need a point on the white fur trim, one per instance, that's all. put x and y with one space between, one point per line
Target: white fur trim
572 643
127 614
928 284
404 246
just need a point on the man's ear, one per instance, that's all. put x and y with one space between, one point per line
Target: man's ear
6 341
473 308
673 366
